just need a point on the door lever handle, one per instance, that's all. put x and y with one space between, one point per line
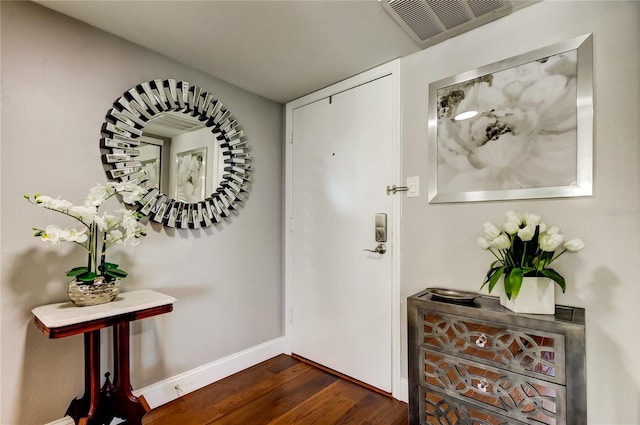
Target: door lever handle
380 249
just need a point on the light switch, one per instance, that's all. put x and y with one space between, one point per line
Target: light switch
413 183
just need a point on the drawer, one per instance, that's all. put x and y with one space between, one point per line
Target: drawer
527 399
438 409
534 353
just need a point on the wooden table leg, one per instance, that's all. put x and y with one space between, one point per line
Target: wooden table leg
84 409
126 405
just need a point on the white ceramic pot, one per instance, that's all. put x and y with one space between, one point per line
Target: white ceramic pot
536 296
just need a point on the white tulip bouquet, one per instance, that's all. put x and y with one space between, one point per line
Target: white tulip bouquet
99 231
524 247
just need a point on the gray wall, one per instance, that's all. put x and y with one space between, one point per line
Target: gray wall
59 78
439 240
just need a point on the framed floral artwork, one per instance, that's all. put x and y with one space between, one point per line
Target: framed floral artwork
517 129
191 172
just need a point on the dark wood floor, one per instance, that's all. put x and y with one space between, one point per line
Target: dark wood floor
281 391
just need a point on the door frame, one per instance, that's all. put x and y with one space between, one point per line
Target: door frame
391 69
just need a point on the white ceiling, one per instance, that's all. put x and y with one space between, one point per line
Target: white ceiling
277 49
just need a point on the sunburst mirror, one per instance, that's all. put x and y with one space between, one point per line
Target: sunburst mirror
182 145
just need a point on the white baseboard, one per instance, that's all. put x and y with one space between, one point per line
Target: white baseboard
403 392
67 420
171 388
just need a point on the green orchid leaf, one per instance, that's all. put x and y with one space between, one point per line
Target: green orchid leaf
86 277
77 271
555 276
110 265
117 273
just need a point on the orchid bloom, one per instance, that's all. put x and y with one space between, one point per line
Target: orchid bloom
100 230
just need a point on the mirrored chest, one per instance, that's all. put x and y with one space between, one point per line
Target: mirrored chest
479 363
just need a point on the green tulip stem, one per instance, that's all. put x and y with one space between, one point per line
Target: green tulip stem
496 255
554 258
508 260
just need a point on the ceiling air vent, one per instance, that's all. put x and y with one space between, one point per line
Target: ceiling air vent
170 124
179 122
431 21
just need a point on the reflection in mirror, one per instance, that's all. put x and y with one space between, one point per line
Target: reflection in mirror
197 167
190 175
151 159
183 146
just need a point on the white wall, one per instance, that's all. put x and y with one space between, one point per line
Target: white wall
59 78
439 240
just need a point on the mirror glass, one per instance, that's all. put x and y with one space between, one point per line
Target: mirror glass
197 167
183 146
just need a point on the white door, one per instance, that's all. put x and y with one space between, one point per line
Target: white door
341 299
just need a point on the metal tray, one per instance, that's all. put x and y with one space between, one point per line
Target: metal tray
453 294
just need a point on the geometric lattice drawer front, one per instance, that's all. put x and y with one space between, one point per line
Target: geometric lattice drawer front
477 363
534 353
438 409
521 397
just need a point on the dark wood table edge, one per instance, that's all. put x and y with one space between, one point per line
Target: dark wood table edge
105 322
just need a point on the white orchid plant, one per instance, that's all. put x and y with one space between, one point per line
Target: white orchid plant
525 246
99 231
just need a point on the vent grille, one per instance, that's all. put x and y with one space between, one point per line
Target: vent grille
431 21
482 7
418 17
170 124
177 122
451 13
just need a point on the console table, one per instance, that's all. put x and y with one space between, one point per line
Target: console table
98 407
479 363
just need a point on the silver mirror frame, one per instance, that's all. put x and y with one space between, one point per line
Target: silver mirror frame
121 133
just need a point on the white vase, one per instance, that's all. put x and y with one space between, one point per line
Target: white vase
536 296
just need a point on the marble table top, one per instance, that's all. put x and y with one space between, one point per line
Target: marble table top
66 313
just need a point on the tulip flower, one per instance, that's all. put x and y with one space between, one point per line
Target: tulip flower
525 246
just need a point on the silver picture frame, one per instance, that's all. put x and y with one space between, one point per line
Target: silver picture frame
190 175
531 137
